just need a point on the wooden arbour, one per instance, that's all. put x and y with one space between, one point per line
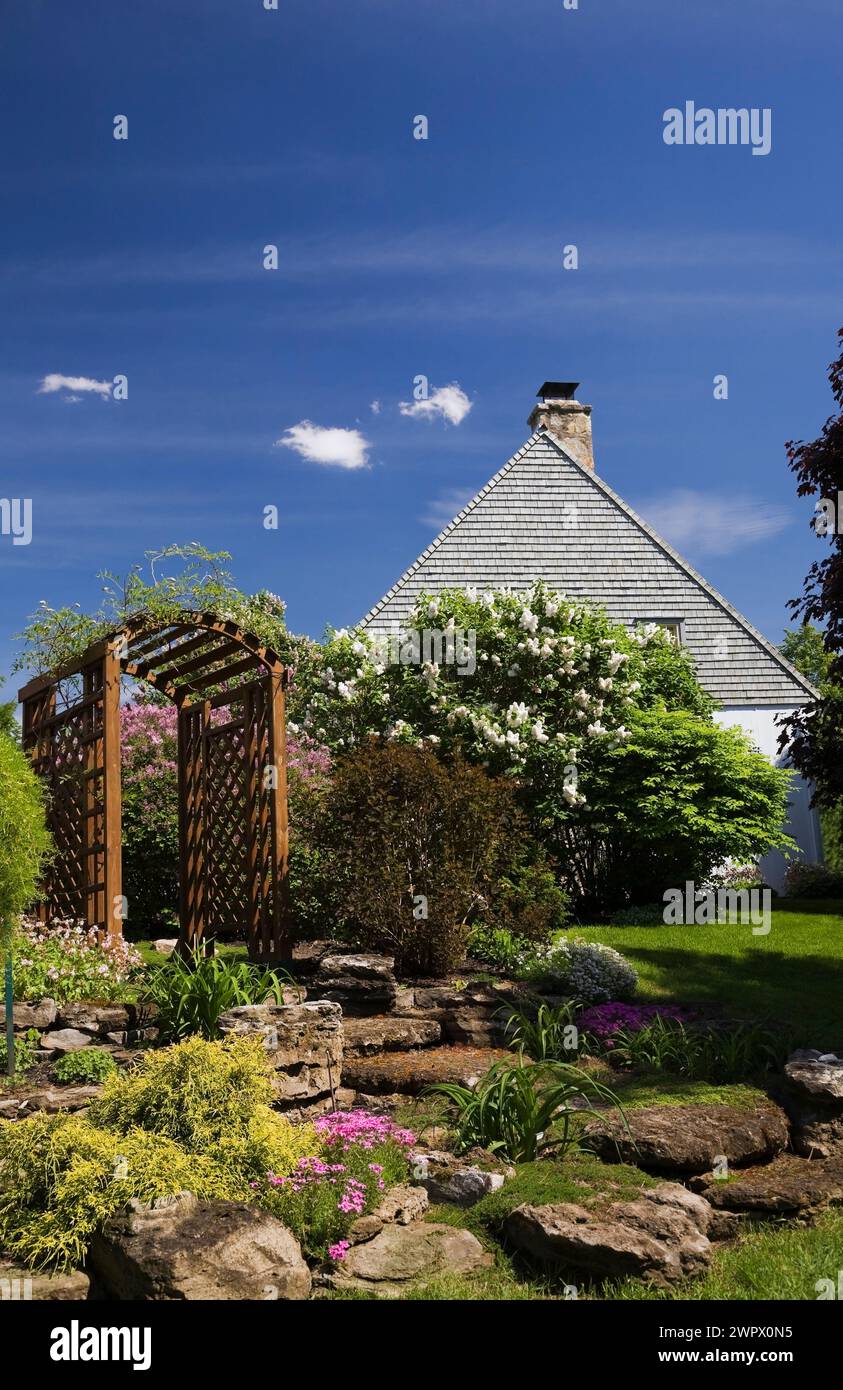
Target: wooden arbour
229 690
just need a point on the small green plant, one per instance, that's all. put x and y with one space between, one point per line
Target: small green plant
500 949
546 1034
87 1066
26 1045
739 1052
192 993
522 1111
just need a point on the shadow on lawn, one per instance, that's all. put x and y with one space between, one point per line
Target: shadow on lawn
803 991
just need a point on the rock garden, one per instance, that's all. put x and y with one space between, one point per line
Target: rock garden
486 1068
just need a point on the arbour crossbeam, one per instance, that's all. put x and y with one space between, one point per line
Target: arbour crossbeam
233 837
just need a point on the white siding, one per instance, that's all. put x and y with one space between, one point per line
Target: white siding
803 823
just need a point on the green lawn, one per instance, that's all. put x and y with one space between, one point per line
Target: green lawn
794 974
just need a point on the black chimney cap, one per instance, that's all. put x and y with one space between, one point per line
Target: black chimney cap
558 390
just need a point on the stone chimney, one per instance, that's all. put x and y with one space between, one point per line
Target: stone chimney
562 416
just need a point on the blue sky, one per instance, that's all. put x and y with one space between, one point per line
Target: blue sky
400 257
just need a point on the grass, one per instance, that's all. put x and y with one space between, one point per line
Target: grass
794 974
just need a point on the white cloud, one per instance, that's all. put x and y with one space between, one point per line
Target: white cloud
56 382
445 507
375 407
448 402
333 448
711 524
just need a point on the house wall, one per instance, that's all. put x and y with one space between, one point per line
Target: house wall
760 722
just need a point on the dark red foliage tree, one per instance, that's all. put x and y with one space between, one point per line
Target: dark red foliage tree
815 732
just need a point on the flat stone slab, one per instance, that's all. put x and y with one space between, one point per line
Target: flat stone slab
401 1256
367 1036
661 1236
17 1104
785 1187
689 1138
66 1040
408 1073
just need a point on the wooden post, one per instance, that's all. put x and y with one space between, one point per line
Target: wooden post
282 945
192 886
111 802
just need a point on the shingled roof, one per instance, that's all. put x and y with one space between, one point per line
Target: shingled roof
545 516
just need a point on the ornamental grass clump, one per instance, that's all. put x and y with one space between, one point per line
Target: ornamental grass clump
191 994
522 1112
362 1156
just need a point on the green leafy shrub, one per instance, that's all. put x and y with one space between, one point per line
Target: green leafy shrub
26 1045
68 962
87 1066
812 881
738 1052
587 970
417 845
24 840
195 1116
667 805
191 994
526 899
520 1112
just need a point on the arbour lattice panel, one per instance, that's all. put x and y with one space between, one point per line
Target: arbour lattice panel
229 690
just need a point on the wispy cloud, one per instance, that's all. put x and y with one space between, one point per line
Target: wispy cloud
332 448
85 385
706 523
444 402
445 507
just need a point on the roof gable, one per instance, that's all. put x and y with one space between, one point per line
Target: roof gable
545 516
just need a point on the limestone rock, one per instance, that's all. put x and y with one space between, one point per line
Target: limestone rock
786 1187
816 1075
304 1042
40 1014
661 1236
96 1019
401 1256
27 1101
446 1178
689 1138
400 1205
16 1282
361 983
165 945
812 1094
66 1040
180 1248
364 1036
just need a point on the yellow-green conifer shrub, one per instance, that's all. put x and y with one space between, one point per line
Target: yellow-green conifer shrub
61 1178
195 1117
